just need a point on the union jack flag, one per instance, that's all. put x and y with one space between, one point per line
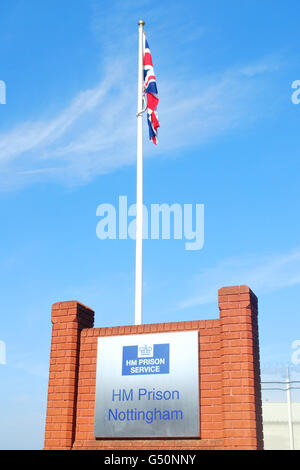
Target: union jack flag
150 89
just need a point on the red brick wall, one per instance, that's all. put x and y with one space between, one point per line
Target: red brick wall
68 319
229 391
242 413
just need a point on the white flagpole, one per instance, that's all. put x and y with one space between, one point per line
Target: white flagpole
139 184
290 418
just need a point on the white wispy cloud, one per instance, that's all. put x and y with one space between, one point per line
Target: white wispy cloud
264 274
67 145
96 133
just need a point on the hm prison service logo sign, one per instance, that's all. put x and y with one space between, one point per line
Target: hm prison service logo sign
146 359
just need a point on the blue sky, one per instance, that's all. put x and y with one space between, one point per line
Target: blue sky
229 139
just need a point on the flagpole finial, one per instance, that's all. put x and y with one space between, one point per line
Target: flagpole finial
141 23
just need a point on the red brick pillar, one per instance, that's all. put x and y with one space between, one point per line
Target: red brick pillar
242 410
68 319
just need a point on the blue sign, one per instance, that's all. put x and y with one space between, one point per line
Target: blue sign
146 359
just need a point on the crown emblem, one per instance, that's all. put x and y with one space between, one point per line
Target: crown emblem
146 350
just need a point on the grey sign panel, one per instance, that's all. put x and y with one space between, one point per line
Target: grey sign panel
148 386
